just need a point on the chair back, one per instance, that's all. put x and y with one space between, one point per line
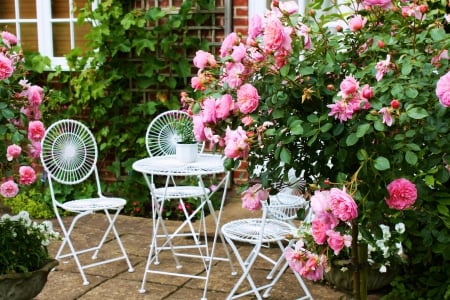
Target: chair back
69 152
285 206
161 137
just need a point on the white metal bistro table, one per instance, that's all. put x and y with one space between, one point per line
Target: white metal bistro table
169 167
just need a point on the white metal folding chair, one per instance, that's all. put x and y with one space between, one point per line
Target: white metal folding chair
271 228
69 157
161 138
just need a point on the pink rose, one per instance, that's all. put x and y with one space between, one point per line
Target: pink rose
238 53
289 7
402 194
387 117
233 75
320 205
36 131
27 175
35 95
247 98
247 120
9 39
296 256
13 151
385 4
318 230
6 67
313 268
197 84
342 205
366 92
349 86
236 143
336 241
252 197
203 59
35 150
209 110
443 90
273 36
227 45
341 110
223 106
9 189
356 23
199 127
255 26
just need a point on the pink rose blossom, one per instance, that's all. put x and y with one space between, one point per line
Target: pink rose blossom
313 268
197 84
233 75
273 36
227 45
349 86
35 94
304 32
296 257
223 106
236 142
247 120
356 23
27 175
255 26
341 110
387 117
6 67
35 150
366 92
288 7
247 98
238 53
320 205
436 60
385 4
13 151
203 59
199 127
9 189
209 110
9 39
402 194
342 205
36 131
443 90
252 197
318 230
336 241
383 67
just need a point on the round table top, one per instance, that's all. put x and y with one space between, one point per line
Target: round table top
169 165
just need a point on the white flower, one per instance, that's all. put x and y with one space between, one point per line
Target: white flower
399 249
386 231
400 227
382 269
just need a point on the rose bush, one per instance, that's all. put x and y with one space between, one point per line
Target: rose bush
353 98
21 128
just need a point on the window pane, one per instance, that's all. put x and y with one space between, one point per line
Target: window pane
80 32
61 39
27 9
29 39
7 11
60 9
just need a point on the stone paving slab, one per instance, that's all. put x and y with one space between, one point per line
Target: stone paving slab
113 281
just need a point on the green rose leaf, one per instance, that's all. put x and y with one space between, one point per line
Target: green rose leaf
285 155
417 113
382 163
411 158
362 130
351 139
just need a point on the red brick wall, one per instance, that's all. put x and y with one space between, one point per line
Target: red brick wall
240 16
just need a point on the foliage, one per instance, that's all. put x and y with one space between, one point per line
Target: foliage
23 243
139 63
185 131
346 100
34 200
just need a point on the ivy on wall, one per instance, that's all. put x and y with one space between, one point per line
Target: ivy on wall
139 62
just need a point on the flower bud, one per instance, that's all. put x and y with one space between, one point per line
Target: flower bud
381 44
395 104
312 12
339 28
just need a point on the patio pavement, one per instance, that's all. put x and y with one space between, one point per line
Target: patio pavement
113 281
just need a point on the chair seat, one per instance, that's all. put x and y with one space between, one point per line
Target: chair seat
93 204
176 192
248 230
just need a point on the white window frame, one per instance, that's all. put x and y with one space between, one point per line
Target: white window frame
44 24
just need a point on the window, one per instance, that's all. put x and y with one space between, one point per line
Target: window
47 27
